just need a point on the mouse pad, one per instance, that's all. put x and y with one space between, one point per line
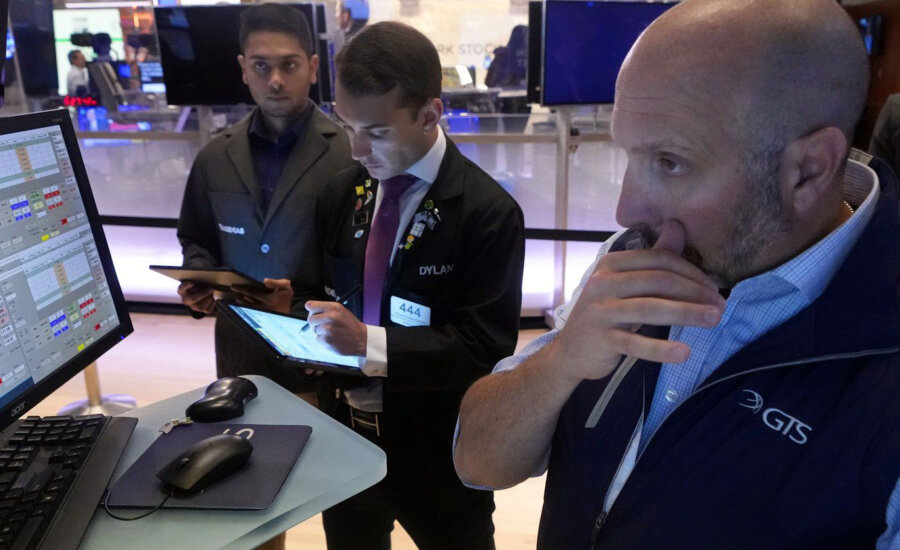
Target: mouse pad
275 449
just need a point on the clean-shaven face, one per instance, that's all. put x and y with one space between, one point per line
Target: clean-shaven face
278 73
384 137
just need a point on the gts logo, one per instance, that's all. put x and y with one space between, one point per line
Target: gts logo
778 420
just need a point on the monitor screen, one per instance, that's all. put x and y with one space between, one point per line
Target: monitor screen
61 306
585 44
32 28
870 27
10 44
90 21
199 46
152 77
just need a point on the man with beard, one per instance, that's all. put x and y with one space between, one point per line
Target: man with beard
726 375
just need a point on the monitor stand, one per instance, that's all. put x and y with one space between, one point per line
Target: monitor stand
110 405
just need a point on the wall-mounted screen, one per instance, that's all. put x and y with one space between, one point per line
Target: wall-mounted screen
32 28
585 44
199 46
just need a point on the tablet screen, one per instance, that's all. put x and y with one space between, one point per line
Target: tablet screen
286 335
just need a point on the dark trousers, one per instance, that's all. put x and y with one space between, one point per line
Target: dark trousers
422 492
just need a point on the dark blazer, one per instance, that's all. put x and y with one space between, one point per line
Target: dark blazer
222 223
467 268
885 142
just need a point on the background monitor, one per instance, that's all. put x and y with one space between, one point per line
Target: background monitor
80 22
61 306
152 80
32 28
199 46
870 27
584 46
535 43
10 44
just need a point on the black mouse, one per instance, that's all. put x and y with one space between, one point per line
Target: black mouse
224 399
206 462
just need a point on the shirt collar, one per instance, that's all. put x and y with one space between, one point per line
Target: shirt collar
427 167
257 127
812 270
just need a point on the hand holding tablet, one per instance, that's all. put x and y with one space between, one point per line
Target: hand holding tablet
219 278
284 337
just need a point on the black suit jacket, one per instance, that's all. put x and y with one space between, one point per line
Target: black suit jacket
885 142
467 269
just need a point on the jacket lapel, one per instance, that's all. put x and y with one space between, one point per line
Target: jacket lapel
306 152
367 210
447 185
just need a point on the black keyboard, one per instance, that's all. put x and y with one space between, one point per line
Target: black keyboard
53 473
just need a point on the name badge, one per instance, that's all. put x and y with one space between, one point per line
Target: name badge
409 314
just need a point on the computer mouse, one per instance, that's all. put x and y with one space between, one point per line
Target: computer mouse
224 399
206 462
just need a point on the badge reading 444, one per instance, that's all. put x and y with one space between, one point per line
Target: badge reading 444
409 314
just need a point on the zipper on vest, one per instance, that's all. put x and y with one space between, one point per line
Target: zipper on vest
598 526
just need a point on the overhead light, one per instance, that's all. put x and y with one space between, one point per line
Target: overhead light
123 4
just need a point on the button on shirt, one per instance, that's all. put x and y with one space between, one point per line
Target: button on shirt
270 157
755 306
369 398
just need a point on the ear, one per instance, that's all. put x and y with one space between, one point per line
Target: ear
432 111
240 60
313 69
811 168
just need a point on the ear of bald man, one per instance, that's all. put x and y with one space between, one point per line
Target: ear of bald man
811 176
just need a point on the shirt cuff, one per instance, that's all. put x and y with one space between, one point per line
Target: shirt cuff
375 361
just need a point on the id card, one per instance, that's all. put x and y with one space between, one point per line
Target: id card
409 314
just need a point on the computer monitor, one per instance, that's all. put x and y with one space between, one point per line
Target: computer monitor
199 46
32 28
61 306
585 44
535 42
152 77
871 29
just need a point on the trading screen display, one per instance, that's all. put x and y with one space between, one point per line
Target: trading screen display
585 44
55 300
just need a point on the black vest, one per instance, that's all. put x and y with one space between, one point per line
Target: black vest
794 442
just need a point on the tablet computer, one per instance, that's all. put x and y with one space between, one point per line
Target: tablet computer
284 337
220 278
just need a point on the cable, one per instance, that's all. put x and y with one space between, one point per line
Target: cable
123 518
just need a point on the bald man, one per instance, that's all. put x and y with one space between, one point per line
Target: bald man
727 373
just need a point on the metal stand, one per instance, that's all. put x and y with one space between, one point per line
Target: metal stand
96 403
564 149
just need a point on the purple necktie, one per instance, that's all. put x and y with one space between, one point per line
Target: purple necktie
381 243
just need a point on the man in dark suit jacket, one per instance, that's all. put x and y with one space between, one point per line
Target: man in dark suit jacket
250 197
438 248
885 142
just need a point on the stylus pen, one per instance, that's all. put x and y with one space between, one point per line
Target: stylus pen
342 299
346 297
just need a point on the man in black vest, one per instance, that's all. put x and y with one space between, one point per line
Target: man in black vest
726 375
437 249
250 198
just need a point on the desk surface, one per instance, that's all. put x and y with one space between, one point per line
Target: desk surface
335 464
